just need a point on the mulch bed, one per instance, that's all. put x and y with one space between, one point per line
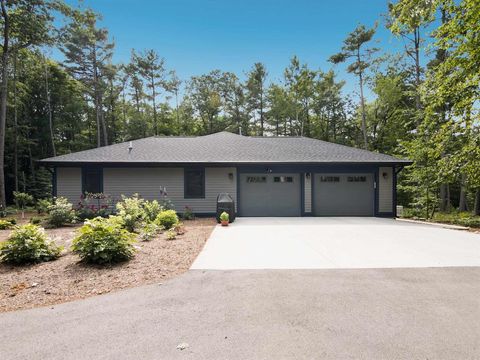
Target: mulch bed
67 279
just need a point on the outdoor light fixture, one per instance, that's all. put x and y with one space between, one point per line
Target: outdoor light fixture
230 176
385 175
307 175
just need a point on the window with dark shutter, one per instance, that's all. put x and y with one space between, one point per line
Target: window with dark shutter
194 184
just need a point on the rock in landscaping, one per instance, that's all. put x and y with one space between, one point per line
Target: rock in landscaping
182 346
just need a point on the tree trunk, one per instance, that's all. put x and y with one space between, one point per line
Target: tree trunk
443 198
3 100
15 124
261 110
362 104
463 206
96 97
418 105
476 209
49 108
154 95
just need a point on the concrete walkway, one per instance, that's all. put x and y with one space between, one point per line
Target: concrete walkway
336 243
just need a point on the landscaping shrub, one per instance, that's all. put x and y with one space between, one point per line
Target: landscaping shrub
60 212
28 244
188 213
149 231
131 210
171 234
5 224
179 228
35 220
458 218
167 219
101 241
152 209
42 205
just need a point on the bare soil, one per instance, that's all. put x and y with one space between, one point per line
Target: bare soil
67 279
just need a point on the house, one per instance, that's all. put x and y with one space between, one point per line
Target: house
267 176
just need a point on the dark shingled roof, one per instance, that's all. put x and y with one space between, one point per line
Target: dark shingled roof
224 148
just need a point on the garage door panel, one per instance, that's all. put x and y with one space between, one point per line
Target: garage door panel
270 195
344 195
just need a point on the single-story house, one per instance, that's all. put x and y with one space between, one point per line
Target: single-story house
266 176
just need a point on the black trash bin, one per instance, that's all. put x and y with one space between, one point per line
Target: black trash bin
227 204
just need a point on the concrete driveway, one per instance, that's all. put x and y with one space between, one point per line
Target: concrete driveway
336 243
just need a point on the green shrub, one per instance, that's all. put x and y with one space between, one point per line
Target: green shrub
149 231
458 218
5 224
152 209
188 213
167 219
42 205
60 213
28 244
171 234
101 241
35 220
131 210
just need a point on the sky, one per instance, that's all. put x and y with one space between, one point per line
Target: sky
197 36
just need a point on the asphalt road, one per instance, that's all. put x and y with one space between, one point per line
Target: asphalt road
429 313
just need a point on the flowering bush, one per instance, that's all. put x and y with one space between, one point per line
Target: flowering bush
92 205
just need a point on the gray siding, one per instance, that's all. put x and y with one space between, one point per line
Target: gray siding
308 194
385 190
69 183
147 183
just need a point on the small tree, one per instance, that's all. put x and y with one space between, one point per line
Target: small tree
22 200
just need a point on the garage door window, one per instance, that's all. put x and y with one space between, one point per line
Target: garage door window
194 184
329 179
256 179
283 179
357 179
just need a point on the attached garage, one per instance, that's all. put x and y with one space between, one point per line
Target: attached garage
343 194
270 195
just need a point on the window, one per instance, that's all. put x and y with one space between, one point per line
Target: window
283 179
194 184
256 179
357 179
329 178
92 180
